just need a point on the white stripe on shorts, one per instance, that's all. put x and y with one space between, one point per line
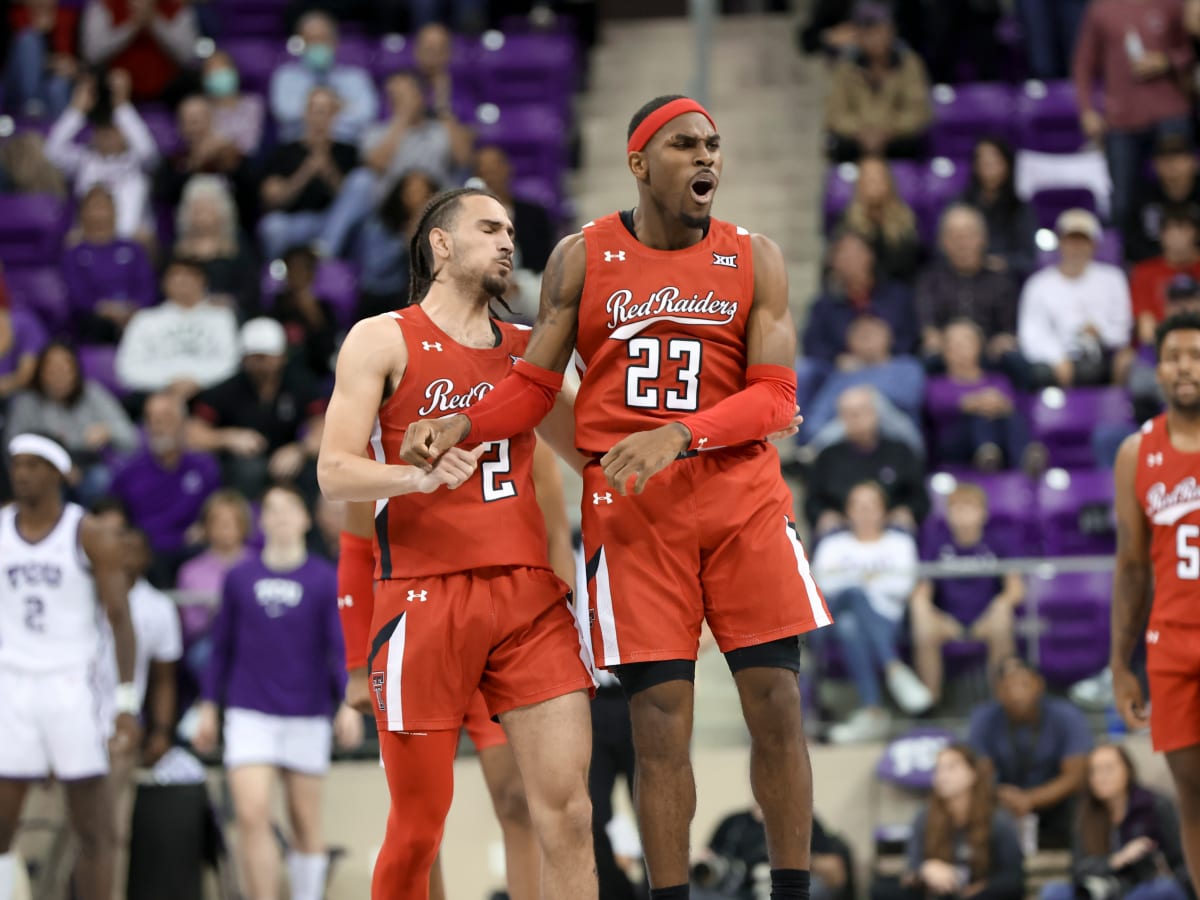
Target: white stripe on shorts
604 614
810 587
395 669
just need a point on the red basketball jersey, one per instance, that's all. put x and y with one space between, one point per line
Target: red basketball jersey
662 334
493 518
1169 494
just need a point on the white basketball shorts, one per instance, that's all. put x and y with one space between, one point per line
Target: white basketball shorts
297 743
53 724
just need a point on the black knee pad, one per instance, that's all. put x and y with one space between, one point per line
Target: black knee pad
637 677
781 654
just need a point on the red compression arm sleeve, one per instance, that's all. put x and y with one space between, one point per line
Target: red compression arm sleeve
517 404
766 404
356 595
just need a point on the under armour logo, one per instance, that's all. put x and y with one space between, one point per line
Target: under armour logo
1152 637
345 602
418 595
700 443
729 262
377 682
431 345
610 256
1154 459
598 498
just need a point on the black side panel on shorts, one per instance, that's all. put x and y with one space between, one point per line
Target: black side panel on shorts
384 635
781 654
638 677
385 549
592 566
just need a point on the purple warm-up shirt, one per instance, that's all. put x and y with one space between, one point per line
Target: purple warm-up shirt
116 271
29 337
966 597
165 502
277 641
944 397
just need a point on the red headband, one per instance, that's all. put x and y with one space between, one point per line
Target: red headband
660 117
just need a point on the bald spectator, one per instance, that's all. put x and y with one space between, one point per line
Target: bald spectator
204 151
165 486
266 420
1140 53
878 102
301 179
865 455
961 285
153 40
1076 320
432 53
293 83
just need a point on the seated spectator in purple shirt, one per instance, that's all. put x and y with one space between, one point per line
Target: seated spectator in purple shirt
237 116
868 360
963 285
851 290
225 523
108 278
165 486
22 338
969 607
265 421
78 413
972 411
278 670
206 230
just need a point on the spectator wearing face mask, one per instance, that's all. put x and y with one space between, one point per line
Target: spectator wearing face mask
237 116
293 83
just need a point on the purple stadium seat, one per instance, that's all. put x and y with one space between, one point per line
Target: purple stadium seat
337 282
533 136
527 68
99 364
253 18
1047 117
162 124
358 50
1077 512
942 183
1065 421
964 113
1072 621
1011 501
31 229
1049 203
839 188
42 292
256 59
1109 250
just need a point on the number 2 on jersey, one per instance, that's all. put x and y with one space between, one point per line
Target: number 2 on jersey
35 614
1189 552
493 464
648 353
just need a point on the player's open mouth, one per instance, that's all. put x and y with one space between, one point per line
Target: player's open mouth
703 186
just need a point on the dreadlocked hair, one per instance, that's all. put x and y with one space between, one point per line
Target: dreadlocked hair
438 213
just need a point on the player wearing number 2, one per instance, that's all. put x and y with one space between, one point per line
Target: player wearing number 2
1158 551
61 574
466 598
685 347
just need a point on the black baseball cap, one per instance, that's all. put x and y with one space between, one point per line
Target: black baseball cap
1173 144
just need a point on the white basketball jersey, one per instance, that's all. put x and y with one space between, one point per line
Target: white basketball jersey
50 619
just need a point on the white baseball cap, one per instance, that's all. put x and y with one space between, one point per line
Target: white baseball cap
1078 221
263 336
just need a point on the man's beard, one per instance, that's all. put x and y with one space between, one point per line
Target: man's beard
495 286
694 222
1190 409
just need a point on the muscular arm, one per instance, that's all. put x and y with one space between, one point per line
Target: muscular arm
372 353
1131 580
103 549
547 483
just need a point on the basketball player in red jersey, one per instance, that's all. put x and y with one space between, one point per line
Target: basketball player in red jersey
1158 543
685 349
466 599
356 572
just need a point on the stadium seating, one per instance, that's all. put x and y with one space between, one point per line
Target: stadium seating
1076 512
1065 420
1070 616
31 229
42 291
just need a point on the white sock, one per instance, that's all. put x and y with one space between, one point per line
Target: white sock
8 875
306 871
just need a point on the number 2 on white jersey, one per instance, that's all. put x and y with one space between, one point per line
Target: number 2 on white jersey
1189 553
493 464
648 352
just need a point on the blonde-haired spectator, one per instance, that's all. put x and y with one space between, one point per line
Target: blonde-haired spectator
882 216
206 230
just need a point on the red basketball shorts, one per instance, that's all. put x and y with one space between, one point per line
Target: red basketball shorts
1173 669
712 537
506 632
